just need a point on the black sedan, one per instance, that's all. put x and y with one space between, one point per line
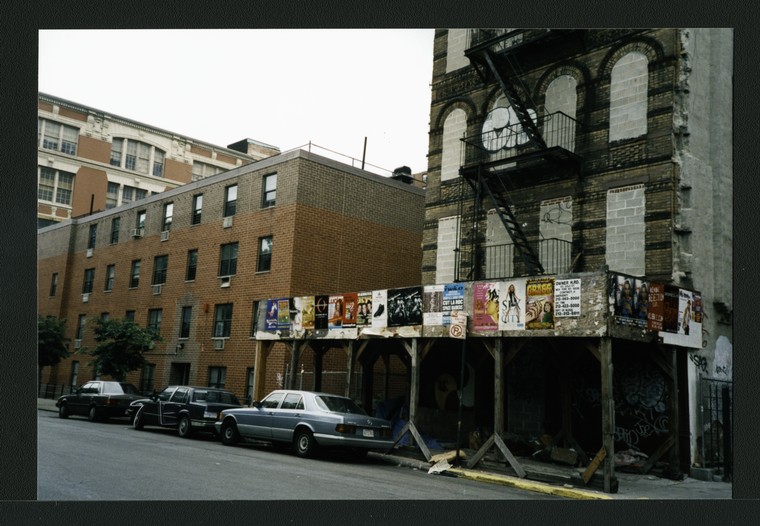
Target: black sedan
182 407
307 420
98 399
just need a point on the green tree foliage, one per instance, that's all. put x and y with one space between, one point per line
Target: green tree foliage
51 341
121 344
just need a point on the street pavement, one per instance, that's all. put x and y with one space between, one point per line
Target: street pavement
631 486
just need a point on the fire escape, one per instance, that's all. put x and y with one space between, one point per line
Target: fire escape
517 150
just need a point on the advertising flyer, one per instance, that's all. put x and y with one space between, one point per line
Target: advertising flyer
364 314
307 312
380 315
321 309
350 302
567 298
512 317
432 304
539 304
453 301
485 307
405 307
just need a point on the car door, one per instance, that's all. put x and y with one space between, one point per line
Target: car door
256 422
286 416
170 408
88 392
152 409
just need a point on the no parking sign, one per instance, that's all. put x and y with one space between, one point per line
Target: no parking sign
458 327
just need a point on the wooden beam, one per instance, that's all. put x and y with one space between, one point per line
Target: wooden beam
652 460
295 354
510 457
362 345
489 346
660 357
674 419
349 349
415 383
498 387
608 412
260 368
592 467
593 350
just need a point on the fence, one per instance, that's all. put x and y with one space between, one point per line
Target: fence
53 391
498 261
716 412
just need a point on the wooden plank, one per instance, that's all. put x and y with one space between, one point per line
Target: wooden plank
481 452
608 411
652 460
420 442
498 388
510 457
592 467
659 357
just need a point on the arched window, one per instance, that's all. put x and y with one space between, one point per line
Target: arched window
456 44
561 95
454 128
628 97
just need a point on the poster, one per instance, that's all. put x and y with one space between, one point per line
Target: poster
453 301
335 311
629 297
432 304
380 315
539 303
296 314
688 319
485 306
307 312
283 314
272 315
321 310
350 305
405 307
567 298
364 309
512 310
656 306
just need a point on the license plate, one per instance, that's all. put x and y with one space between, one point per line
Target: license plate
369 433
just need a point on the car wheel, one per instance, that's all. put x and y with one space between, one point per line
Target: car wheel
63 412
304 443
183 428
92 416
230 434
137 421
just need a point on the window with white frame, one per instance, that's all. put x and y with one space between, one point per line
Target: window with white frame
168 213
112 195
54 186
89 277
56 136
228 259
137 156
110 276
222 320
93 236
80 326
134 274
230 200
270 190
264 263
197 209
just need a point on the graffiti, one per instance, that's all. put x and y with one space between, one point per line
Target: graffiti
561 214
644 388
699 361
721 370
641 429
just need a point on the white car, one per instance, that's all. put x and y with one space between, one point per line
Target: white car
307 420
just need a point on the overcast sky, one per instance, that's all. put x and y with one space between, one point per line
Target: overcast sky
284 87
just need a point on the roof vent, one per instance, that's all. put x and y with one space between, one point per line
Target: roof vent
403 174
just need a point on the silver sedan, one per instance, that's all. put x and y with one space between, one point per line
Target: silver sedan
307 420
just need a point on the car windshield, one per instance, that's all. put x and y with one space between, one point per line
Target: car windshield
118 388
222 397
338 404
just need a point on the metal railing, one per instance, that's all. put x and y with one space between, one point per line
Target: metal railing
716 429
557 129
53 391
504 261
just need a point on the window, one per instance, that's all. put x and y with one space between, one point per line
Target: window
249 376
80 326
228 263
140 222
93 236
629 81
134 275
217 376
154 320
184 328
454 127
181 395
272 401
89 277
112 195
129 315
168 212
230 200
254 317
54 186
110 275
265 254
105 316
53 284
292 401
115 225
201 170
222 320
160 264
146 378
130 193
74 378
140 157
197 209
270 190
192 264
59 137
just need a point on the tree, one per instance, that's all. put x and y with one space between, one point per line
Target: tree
51 342
121 344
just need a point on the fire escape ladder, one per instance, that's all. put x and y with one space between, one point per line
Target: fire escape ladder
504 210
528 125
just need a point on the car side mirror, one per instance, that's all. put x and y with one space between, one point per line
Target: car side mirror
256 404
154 396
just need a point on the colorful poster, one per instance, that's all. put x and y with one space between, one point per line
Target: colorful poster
512 309
485 307
272 315
670 321
283 316
567 298
630 299
688 321
432 304
307 312
335 312
405 307
350 305
453 301
655 310
380 314
364 314
321 310
296 314
539 303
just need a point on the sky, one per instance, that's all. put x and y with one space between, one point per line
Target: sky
282 87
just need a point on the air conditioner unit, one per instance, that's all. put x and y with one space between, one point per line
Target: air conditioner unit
227 222
89 252
218 344
77 344
157 289
225 281
85 297
165 235
137 232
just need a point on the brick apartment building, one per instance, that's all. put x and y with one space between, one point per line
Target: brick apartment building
90 160
193 261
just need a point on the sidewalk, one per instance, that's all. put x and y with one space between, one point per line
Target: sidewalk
631 486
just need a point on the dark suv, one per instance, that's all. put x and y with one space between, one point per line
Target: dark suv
183 407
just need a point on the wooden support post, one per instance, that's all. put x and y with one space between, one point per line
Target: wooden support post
260 368
608 413
498 388
415 384
319 353
293 364
349 365
674 420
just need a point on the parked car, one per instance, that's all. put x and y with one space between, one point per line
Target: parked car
98 399
307 420
182 407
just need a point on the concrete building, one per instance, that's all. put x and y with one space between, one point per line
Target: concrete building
193 261
90 160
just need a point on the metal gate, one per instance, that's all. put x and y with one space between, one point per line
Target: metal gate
716 411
